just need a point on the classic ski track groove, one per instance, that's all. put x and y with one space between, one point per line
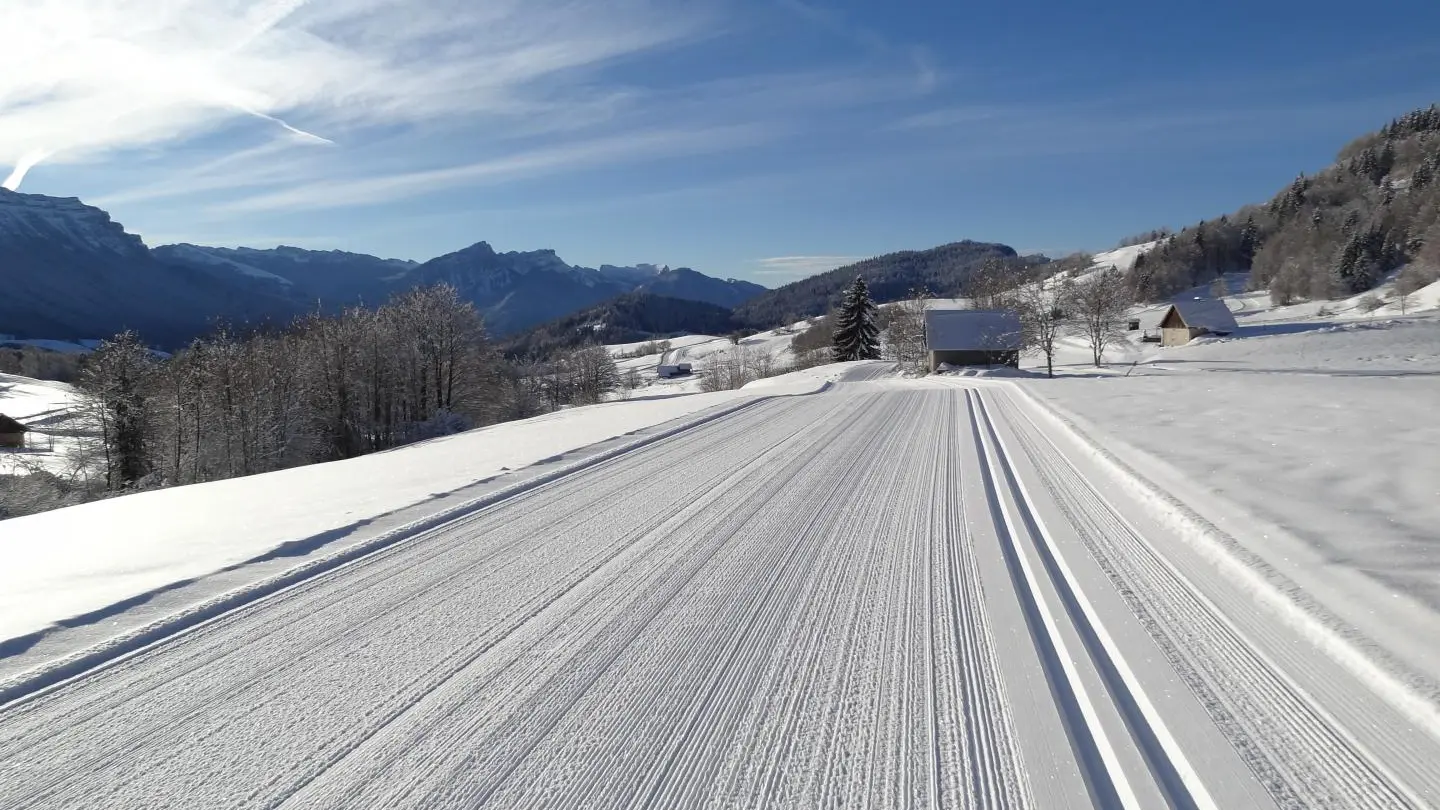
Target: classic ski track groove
794 605
1294 746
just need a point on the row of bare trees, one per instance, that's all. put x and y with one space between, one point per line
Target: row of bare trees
582 377
324 388
739 367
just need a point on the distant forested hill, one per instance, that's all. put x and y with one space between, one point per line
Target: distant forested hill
1329 235
943 270
627 319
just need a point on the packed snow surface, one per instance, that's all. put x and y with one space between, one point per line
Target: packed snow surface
890 594
65 563
1319 438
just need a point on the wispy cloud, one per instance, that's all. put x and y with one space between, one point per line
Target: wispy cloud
925 70
261 165
791 268
971 132
86 79
567 156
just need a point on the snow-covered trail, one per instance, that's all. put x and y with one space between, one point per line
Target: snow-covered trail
882 596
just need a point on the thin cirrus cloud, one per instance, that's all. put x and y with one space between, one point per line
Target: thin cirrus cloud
786 268
925 74
85 80
567 156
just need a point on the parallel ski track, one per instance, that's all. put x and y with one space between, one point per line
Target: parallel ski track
730 618
781 608
986 748
1294 747
1024 541
158 693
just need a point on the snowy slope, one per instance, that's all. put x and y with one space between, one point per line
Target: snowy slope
622 349
62 346
193 254
1123 259
101 553
700 351
49 410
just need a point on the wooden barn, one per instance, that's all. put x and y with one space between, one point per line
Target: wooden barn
1190 318
973 337
12 433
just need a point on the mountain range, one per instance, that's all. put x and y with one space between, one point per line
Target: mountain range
69 271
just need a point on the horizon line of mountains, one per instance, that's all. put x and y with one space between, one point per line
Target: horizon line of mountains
70 272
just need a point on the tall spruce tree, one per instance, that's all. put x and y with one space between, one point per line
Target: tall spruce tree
1249 241
857 336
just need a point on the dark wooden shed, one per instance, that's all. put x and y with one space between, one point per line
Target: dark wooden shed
973 337
12 433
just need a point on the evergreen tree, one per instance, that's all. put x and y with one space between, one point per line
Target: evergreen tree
1351 223
1423 176
1249 241
857 336
1385 162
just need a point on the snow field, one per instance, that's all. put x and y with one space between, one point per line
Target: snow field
1123 259
1359 745
48 409
1313 451
699 351
896 598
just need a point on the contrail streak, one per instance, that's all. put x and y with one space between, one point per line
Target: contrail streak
24 165
295 130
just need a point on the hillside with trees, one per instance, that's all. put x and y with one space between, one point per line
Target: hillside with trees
628 318
1330 235
944 270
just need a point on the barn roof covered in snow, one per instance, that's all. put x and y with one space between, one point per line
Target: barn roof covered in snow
1205 313
971 329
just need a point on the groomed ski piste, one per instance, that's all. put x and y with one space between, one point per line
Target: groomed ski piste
888 593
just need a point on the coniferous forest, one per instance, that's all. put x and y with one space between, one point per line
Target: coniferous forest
1332 234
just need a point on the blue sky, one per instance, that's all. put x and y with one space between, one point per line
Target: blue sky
765 139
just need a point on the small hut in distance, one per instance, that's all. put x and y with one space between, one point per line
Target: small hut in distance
12 433
1190 318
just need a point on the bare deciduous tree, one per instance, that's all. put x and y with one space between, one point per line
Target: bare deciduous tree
1410 281
629 382
726 371
989 282
592 374
903 333
116 382
1095 307
1042 320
